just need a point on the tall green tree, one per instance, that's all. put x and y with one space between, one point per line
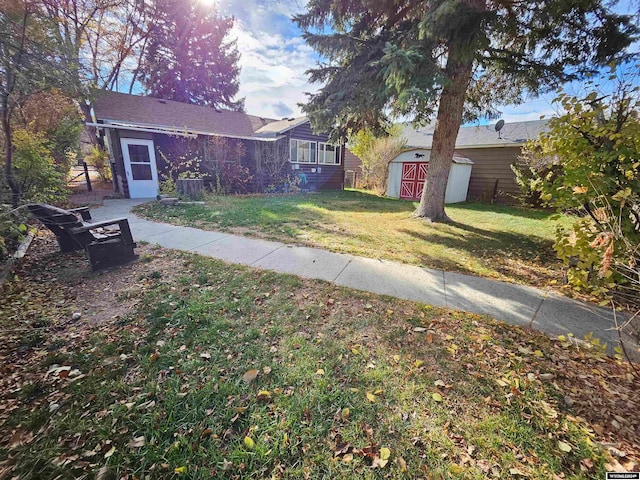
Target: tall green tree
459 58
189 56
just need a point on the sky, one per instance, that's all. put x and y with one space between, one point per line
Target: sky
274 59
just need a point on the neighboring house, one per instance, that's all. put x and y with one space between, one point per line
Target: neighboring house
491 153
147 137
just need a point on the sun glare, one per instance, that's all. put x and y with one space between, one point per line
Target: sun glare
208 3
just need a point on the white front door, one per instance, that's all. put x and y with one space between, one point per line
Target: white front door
140 167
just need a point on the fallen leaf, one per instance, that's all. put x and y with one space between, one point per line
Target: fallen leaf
419 329
180 470
249 443
385 453
371 397
320 371
206 356
418 363
250 375
402 464
436 396
226 464
263 395
111 451
439 383
137 442
564 447
346 413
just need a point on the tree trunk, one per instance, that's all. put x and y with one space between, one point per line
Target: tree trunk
444 140
8 154
190 187
86 111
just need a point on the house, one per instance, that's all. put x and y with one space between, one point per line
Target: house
150 139
491 152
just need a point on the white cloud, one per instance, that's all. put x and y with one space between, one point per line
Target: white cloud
274 57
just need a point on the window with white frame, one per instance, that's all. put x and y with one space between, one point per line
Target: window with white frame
302 151
328 154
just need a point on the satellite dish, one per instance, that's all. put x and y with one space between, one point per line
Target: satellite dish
499 126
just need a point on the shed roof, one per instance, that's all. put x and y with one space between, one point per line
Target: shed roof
149 111
512 134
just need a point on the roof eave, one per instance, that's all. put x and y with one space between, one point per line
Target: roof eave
460 147
173 130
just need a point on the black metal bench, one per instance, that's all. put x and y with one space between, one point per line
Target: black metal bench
105 247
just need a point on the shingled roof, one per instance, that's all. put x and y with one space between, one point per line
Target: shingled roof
114 107
280 126
512 134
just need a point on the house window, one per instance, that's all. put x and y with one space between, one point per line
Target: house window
302 151
328 154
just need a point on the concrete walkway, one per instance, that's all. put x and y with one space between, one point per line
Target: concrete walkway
514 304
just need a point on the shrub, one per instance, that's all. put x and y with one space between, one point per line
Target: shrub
100 160
376 154
12 232
35 170
232 178
597 144
530 180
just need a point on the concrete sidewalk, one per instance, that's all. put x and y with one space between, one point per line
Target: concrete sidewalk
514 304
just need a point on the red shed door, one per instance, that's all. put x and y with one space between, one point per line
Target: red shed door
413 178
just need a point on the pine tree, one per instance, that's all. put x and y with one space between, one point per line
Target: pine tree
458 59
189 57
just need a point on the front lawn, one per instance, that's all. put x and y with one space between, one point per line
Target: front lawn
185 367
502 242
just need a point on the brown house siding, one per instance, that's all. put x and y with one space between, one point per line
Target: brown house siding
331 177
489 165
352 162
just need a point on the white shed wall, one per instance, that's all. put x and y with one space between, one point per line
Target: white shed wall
458 183
395 175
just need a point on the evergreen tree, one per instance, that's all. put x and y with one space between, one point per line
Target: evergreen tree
459 58
189 57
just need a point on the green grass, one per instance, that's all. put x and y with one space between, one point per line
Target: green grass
503 242
170 374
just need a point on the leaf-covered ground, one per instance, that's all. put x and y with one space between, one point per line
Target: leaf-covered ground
186 367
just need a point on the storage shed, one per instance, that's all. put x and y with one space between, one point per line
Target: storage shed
408 171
